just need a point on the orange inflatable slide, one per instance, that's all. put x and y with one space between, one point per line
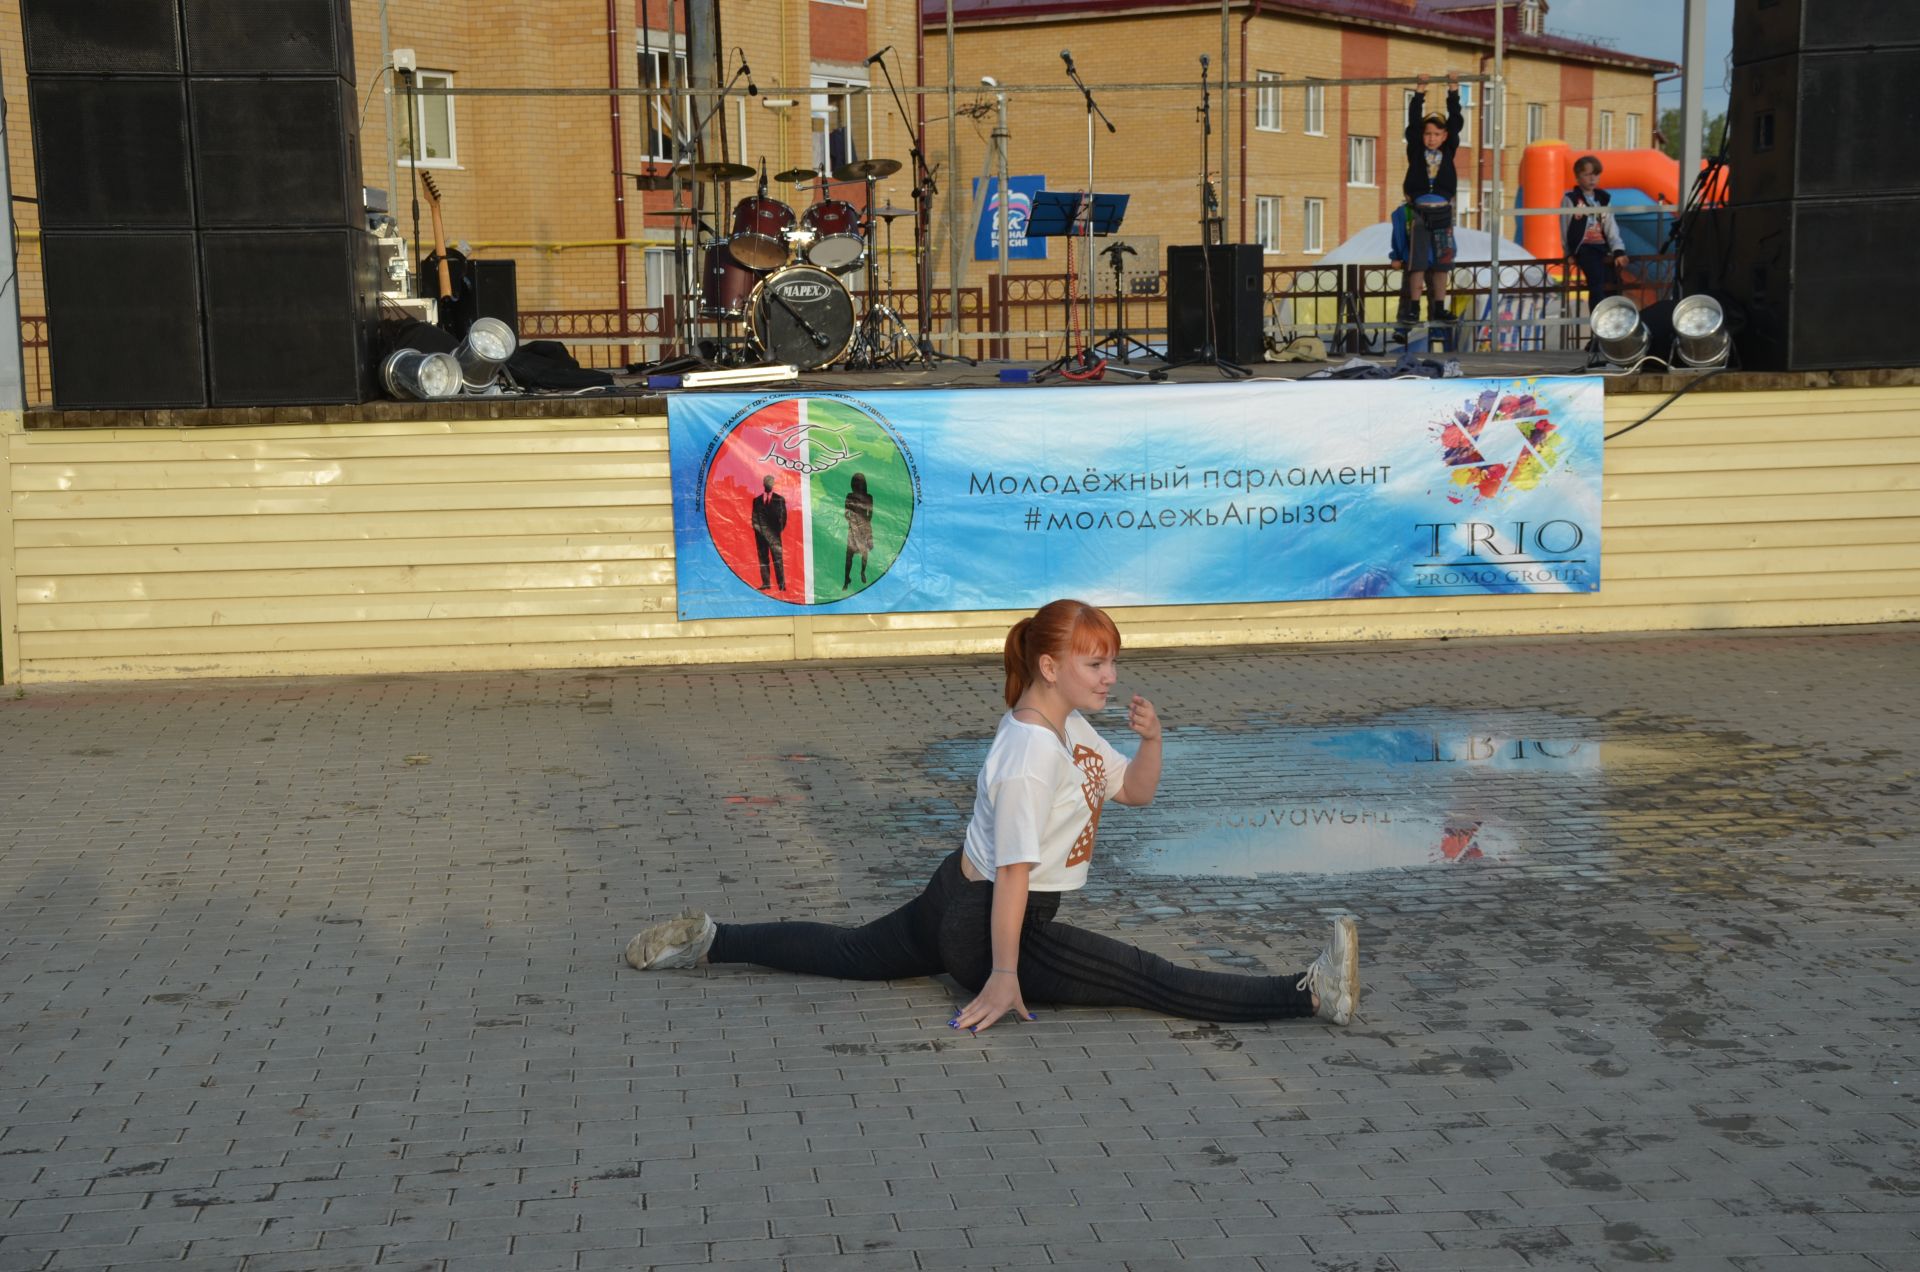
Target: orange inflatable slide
1546 174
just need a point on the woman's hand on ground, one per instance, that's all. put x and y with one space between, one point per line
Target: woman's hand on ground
1000 995
1143 719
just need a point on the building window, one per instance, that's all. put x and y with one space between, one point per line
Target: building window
1463 204
838 137
1606 130
432 123
1487 219
1266 110
1313 214
1466 114
1530 15
1536 122
1266 222
1315 122
1633 132
662 280
1487 121
661 68
1360 152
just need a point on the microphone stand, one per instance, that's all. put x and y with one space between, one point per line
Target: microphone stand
1086 204
923 192
1212 224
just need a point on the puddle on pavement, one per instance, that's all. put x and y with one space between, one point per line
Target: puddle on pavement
1419 789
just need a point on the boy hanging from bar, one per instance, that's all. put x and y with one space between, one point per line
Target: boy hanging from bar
1429 186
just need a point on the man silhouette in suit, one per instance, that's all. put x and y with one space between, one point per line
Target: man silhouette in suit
769 522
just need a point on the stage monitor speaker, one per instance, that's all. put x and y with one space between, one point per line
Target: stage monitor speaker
1774 28
111 152
1239 293
290 316
481 289
276 153
281 37
1812 278
1824 125
123 319
102 37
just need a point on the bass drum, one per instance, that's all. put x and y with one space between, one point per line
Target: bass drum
801 315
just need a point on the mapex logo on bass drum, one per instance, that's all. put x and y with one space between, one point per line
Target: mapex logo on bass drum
802 291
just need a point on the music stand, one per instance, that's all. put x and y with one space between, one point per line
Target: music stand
1071 215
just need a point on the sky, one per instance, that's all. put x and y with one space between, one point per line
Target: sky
1655 28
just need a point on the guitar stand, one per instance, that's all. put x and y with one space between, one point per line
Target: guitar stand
1123 344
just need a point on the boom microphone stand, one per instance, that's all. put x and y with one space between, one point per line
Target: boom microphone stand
924 191
1212 224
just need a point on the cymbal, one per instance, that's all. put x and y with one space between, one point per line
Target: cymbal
717 172
888 213
794 176
866 169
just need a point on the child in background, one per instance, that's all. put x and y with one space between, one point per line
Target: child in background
1429 186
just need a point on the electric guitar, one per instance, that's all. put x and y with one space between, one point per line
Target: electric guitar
439 237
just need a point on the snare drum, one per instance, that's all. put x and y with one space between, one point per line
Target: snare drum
726 285
759 232
837 244
803 316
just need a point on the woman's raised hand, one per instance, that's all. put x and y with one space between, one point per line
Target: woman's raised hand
1000 995
1143 719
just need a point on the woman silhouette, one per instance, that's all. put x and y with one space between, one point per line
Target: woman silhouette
859 513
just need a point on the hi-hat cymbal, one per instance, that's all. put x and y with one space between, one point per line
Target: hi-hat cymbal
794 176
888 213
866 169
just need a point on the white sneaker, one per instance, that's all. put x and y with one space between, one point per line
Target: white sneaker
1334 977
680 942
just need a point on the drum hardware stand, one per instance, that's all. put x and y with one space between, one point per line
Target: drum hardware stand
1124 345
1212 234
924 191
881 327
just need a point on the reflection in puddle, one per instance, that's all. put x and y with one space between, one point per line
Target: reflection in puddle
1347 801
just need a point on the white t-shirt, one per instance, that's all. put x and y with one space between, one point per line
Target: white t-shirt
1037 801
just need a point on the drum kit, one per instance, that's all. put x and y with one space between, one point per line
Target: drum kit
778 285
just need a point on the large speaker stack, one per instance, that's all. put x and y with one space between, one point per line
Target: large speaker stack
202 230
1818 238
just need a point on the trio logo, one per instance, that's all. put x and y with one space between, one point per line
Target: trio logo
1497 443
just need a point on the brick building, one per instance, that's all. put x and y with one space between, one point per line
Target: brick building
534 178
1305 166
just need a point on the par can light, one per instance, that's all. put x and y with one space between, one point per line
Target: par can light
1618 331
411 373
489 343
1700 335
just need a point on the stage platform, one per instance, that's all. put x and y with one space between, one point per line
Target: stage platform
630 395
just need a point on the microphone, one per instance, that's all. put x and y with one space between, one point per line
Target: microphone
1203 61
1067 57
753 89
877 56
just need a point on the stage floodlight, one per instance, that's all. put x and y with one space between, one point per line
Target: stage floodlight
411 373
1618 331
1700 333
489 343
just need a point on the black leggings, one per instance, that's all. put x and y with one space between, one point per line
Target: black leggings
947 928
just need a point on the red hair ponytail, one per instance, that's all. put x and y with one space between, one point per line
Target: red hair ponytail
1060 628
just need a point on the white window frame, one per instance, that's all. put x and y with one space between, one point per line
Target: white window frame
1266 221
424 102
1606 130
1486 202
1466 116
1536 121
1633 131
1313 226
671 67
1268 112
821 107
1313 121
1359 145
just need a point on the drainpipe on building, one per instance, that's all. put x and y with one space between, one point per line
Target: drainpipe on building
1252 13
619 159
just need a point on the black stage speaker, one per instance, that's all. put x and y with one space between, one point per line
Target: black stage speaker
1772 28
270 37
481 289
290 315
111 152
279 153
1238 295
1825 125
102 37
123 319
1813 279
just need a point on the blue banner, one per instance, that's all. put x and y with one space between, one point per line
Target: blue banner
986 242
1134 495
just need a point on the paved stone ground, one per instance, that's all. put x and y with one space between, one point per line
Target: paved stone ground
323 974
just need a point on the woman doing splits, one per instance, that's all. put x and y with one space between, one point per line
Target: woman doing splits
986 918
